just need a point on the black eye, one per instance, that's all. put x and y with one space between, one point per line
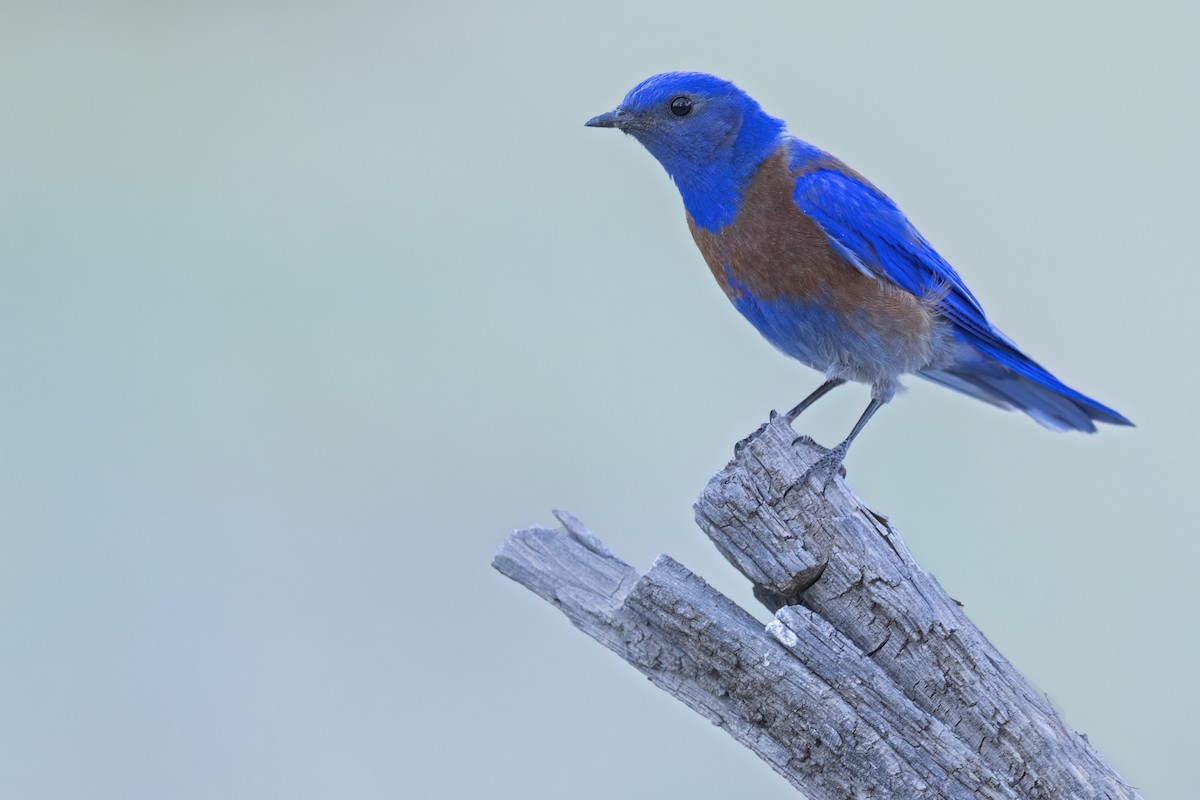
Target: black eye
681 106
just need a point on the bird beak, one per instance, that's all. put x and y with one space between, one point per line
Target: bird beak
617 118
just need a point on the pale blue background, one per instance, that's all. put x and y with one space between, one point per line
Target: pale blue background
303 306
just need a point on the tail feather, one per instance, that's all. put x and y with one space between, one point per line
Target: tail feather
1025 386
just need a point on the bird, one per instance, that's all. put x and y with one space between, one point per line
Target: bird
825 265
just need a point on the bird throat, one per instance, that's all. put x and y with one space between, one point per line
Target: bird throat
712 187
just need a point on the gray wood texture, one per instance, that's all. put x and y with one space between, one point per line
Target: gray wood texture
869 682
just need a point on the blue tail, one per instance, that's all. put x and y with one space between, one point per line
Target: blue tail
1005 377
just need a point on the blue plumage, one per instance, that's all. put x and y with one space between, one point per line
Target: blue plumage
824 264
862 220
720 149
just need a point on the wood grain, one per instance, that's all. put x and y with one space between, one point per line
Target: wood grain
869 682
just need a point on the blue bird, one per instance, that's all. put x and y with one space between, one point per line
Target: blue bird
824 264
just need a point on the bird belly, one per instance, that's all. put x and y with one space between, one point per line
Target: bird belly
862 344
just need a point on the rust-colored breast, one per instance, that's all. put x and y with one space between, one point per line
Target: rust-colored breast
774 251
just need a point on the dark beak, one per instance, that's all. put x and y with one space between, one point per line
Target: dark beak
617 118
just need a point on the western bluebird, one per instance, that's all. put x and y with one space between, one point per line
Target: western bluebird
823 264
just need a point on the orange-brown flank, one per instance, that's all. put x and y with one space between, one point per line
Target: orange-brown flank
773 250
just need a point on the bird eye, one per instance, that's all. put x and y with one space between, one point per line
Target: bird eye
681 106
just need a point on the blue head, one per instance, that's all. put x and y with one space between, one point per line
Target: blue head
707 133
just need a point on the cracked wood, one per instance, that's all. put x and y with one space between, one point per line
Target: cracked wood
869 682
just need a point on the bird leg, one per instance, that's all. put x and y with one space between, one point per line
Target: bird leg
817 394
827 464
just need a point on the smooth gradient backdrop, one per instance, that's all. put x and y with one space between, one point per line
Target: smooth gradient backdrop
304 306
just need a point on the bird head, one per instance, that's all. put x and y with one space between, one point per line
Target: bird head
706 132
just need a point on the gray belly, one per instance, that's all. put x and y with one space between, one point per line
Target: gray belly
858 345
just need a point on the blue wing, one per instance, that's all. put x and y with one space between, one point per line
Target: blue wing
864 222
867 228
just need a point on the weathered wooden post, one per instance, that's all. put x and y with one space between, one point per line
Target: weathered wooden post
869 682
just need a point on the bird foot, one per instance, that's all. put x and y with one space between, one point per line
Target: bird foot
823 468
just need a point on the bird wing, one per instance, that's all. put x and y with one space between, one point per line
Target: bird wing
867 228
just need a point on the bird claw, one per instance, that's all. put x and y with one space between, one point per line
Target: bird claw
824 467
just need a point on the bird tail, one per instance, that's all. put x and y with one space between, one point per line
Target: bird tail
1005 377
